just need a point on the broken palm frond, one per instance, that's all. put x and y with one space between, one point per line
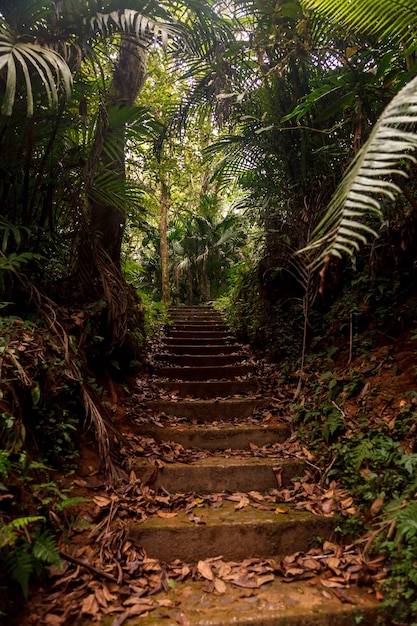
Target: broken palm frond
61 343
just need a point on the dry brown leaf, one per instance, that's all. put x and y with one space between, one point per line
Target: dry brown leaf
166 602
101 598
53 620
294 571
182 619
138 600
244 501
344 596
120 619
311 564
90 605
278 475
376 507
265 578
332 584
167 514
334 564
139 609
245 582
102 501
205 570
219 586
279 511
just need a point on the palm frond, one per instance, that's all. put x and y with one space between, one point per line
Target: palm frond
30 59
368 180
134 23
386 18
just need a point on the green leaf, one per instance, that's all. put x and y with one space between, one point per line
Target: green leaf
36 395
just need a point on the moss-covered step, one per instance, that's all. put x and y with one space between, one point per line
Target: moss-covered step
278 603
200 348
207 532
207 389
208 410
223 436
221 473
205 372
198 360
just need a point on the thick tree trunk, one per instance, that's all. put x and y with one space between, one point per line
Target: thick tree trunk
108 221
97 255
163 232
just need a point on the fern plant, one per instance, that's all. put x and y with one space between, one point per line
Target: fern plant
25 553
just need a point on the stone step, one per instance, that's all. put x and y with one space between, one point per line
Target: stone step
277 603
202 348
204 373
202 335
197 326
198 360
222 473
198 341
234 534
208 410
221 437
208 388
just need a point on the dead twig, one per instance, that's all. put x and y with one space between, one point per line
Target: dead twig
87 566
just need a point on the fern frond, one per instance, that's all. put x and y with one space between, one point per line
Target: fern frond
9 534
369 178
19 563
45 549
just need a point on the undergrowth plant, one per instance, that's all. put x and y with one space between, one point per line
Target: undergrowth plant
371 457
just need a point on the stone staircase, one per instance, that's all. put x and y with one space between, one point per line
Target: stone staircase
209 392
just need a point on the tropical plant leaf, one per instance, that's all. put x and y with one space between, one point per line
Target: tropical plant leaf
130 21
369 178
31 60
386 18
45 549
20 565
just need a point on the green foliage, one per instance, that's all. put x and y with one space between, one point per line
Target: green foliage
25 556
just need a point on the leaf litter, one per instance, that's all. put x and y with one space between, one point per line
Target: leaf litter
106 573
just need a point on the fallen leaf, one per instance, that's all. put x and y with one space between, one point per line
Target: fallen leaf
167 514
376 507
182 619
196 519
219 586
332 584
139 609
278 510
53 620
101 501
344 596
265 578
205 570
278 475
90 605
120 619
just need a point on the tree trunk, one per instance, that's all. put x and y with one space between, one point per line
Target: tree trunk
97 255
163 230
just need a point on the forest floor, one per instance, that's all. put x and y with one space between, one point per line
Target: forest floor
104 573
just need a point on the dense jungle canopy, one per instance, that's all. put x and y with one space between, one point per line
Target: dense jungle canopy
256 153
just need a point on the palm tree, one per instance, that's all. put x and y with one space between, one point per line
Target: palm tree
376 172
